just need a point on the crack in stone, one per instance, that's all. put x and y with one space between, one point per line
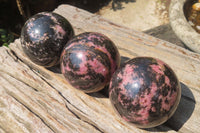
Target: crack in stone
32 112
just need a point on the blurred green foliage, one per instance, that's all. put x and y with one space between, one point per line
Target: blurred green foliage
10 22
5 37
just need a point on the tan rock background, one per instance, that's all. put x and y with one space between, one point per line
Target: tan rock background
139 15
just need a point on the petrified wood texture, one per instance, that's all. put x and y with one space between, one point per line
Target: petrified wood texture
36 99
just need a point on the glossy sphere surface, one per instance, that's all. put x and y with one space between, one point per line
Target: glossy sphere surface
145 92
44 36
89 60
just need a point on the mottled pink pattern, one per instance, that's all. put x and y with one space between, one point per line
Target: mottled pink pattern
167 81
98 67
59 31
114 63
95 64
171 100
145 101
84 68
99 38
30 24
143 94
89 60
44 36
157 69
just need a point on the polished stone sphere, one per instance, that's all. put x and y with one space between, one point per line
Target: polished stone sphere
43 37
145 92
89 60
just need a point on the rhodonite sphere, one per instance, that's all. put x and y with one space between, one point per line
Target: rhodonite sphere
89 60
145 92
44 36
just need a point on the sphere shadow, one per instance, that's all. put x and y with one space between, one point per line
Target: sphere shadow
56 69
102 93
182 113
124 60
179 118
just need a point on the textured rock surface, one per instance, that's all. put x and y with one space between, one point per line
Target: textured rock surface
34 98
139 14
181 27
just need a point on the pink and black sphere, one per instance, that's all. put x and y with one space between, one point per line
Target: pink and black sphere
44 36
145 92
89 60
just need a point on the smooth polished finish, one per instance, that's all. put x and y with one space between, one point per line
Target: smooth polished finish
43 37
89 60
145 91
35 99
